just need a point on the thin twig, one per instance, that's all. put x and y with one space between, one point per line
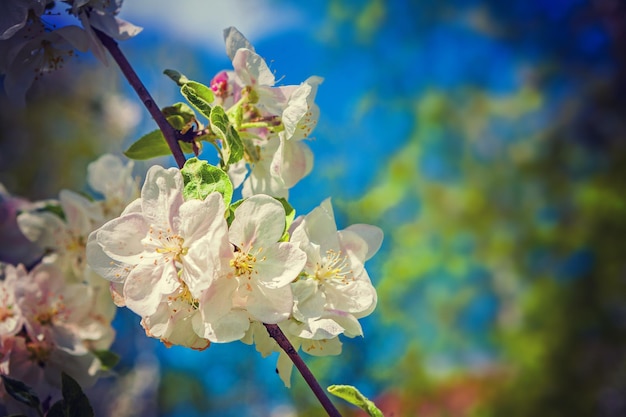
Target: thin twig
170 134
277 334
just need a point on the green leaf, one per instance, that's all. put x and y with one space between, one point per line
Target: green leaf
107 358
199 95
231 211
201 179
353 396
20 391
290 213
56 410
148 146
177 112
177 121
153 145
53 208
75 402
178 78
231 142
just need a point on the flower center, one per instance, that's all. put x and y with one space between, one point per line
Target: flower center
243 264
168 243
333 267
38 352
184 295
6 312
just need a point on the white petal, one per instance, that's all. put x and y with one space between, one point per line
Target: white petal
113 26
280 265
270 306
284 367
324 347
147 285
259 222
251 69
293 161
161 195
309 302
104 265
372 235
120 238
235 40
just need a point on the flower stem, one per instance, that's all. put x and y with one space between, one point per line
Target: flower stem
170 134
277 334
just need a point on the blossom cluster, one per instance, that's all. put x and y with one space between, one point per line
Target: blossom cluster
196 267
31 46
199 270
56 313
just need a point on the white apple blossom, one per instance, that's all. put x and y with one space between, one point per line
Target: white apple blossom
55 331
277 157
149 248
65 237
33 52
339 288
102 15
109 176
11 318
14 15
256 272
15 248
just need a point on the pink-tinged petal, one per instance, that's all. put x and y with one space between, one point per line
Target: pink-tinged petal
120 238
216 308
147 285
80 213
269 305
259 222
172 324
319 227
251 69
11 317
132 207
161 195
293 161
372 235
234 41
198 218
113 26
207 260
296 109
279 265
45 229
102 264
116 289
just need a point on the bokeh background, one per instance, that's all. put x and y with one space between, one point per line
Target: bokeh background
487 139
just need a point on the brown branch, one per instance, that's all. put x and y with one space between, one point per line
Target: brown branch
277 334
170 134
